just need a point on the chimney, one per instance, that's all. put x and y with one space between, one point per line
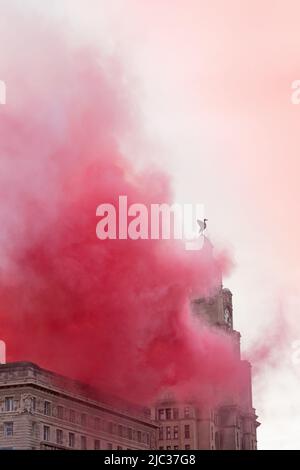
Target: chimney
2 352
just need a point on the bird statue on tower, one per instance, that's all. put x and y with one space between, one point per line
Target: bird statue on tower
2 352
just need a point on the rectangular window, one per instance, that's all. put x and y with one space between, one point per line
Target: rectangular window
60 412
161 433
187 431
83 443
8 429
72 416
109 446
71 439
139 436
186 412
161 414
175 432
46 433
33 403
168 413
187 447
97 444
130 433
175 413
47 408
120 430
59 436
168 432
34 427
9 404
97 424
83 419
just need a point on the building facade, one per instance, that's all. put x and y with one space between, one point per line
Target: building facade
232 424
43 410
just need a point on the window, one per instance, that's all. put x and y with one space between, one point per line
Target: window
60 412
168 413
130 433
9 404
33 403
46 433
71 439
83 419
97 423
187 447
176 447
161 414
139 436
237 440
47 408
168 432
187 431
161 433
120 430
175 413
217 440
34 427
8 429
83 442
59 436
175 432
148 438
110 427
72 416
97 444
186 412
109 446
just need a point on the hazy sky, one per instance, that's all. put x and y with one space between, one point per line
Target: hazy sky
211 82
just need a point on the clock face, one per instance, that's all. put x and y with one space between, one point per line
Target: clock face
227 316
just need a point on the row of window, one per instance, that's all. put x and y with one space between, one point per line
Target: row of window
59 435
173 413
186 447
171 432
108 426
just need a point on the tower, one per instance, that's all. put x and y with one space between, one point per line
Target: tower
232 423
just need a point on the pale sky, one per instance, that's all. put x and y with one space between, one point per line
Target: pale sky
212 85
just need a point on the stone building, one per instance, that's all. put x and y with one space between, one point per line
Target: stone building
229 426
43 410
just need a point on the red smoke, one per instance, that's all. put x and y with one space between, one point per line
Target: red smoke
112 312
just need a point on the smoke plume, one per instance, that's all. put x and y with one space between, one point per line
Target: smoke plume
113 313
